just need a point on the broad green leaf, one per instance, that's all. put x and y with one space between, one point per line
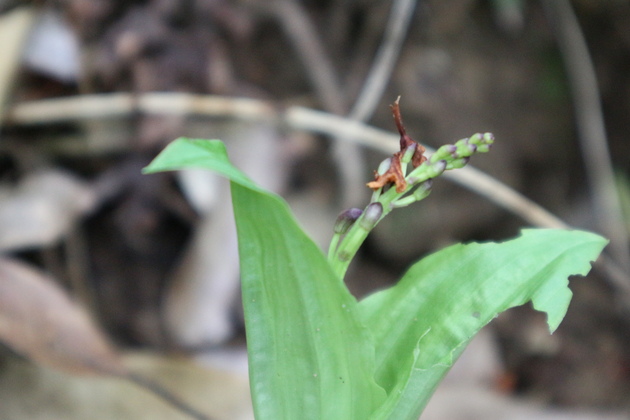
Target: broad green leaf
309 356
185 153
422 324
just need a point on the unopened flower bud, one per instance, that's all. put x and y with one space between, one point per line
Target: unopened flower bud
423 190
409 152
437 168
458 163
346 219
371 216
464 149
476 138
482 139
443 152
484 148
486 144
384 166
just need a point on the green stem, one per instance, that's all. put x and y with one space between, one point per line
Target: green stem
334 242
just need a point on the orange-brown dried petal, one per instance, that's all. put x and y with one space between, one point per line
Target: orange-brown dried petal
418 156
394 175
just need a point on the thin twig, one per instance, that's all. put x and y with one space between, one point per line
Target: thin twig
116 105
591 128
298 118
165 395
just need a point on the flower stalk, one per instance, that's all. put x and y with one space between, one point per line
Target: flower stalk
394 187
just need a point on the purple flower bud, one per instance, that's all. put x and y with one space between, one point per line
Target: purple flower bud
371 216
346 219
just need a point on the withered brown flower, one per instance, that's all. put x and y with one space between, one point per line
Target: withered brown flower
394 175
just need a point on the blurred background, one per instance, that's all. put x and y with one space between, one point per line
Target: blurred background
92 90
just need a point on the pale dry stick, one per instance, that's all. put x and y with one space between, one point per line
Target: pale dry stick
117 105
297 118
591 128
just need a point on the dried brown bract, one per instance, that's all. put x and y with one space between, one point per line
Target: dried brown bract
394 175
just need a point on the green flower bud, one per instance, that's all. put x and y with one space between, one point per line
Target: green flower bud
484 148
464 149
423 190
482 139
443 152
384 166
437 168
346 219
457 163
371 216
476 138
409 152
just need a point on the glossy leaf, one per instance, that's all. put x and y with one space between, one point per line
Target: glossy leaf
422 324
310 357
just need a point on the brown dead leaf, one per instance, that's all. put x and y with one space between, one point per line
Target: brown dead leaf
38 320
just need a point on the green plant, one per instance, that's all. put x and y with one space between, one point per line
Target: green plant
317 353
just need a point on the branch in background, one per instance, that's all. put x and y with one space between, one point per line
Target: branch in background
298 118
591 129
